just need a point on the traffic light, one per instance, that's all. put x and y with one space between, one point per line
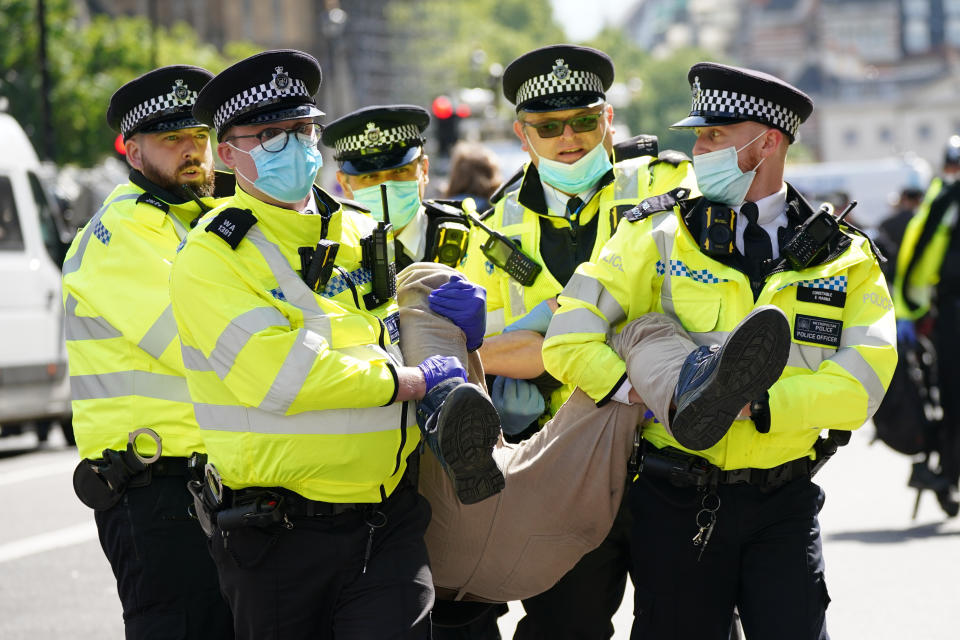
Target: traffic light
119 146
447 123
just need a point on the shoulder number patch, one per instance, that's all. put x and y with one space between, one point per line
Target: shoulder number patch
232 224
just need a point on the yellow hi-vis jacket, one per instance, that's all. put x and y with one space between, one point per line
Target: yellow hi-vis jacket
291 388
519 214
841 359
923 249
126 371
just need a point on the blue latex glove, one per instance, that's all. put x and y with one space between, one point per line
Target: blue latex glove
517 401
464 304
436 369
537 320
906 332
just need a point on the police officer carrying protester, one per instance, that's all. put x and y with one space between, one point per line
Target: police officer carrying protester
284 303
716 517
383 145
927 285
126 371
569 201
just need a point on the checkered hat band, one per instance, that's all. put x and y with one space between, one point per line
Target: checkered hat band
720 102
388 136
253 96
548 84
153 106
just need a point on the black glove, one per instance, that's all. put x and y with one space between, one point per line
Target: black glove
760 413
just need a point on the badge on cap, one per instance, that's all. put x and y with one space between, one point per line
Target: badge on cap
372 134
181 92
560 70
281 81
695 88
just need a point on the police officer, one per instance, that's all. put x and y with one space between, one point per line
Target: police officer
567 205
928 277
126 371
741 506
285 308
383 145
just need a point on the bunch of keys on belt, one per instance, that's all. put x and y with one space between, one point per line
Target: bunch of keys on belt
706 520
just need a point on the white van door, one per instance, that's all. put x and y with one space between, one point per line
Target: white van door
31 316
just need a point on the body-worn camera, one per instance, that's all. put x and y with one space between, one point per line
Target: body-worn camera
379 259
316 265
813 236
718 231
451 242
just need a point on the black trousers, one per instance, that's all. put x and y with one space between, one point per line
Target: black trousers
764 557
947 341
167 583
313 581
581 605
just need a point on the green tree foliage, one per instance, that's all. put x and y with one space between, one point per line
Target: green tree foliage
453 44
659 91
87 62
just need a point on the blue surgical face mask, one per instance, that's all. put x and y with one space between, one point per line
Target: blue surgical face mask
403 200
578 176
287 175
719 176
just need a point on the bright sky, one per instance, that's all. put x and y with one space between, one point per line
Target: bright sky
583 19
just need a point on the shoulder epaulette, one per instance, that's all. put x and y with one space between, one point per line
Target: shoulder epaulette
873 245
656 204
636 147
444 209
672 157
149 198
232 224
351 204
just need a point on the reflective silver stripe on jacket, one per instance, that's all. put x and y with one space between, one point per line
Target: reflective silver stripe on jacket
328 422
515 291
232 340
73 263
854 363
160 334
86 327
512 211
496 321
664 233
577 320
626 183
805 356
129 383
293 372
590 290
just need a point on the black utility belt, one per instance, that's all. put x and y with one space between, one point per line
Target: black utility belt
292 504
686 470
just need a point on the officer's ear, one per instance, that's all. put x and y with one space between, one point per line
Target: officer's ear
518 131
771 142
132 147
344 183
226 153
425 168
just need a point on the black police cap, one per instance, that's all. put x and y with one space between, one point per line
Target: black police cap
558 77
726 95
266 87
159 100
377 138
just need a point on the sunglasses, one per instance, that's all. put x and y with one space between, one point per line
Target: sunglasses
553 128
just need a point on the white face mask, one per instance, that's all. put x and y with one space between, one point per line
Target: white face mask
719 176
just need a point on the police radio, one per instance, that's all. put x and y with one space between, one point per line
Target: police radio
379 259
813 236
503 252
718 231
316 265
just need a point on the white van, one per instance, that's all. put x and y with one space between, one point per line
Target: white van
34 385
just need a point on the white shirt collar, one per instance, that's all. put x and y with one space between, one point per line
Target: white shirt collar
772 214
557 200
413 237
311 206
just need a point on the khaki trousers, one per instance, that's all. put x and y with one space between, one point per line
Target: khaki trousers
563 485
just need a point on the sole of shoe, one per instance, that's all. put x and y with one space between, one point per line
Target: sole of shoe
469 428
751 360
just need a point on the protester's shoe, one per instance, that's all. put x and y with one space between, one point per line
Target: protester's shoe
948 501
461 427
716 382
923 477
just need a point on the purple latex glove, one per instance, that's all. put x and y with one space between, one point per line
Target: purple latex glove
464 304
436 369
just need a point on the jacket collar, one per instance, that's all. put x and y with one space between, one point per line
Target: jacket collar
154 189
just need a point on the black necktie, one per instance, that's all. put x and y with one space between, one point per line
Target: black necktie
756 242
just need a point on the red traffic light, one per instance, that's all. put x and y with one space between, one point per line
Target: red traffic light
442 107
119 146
